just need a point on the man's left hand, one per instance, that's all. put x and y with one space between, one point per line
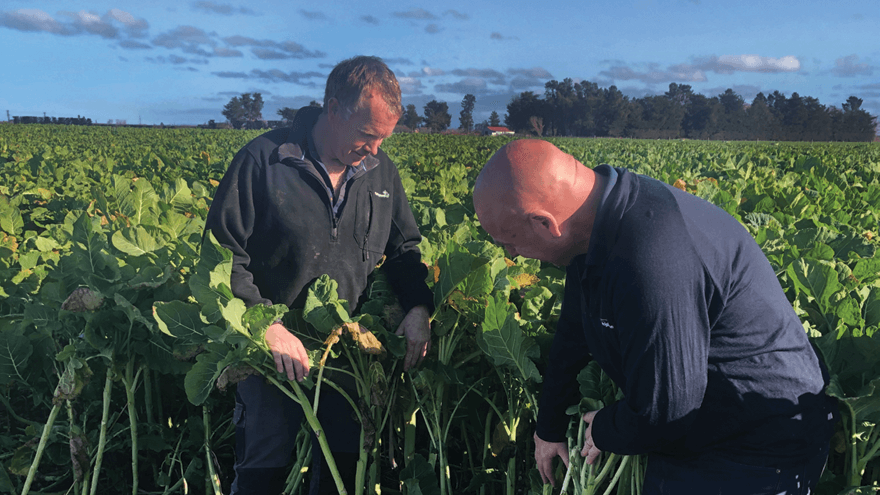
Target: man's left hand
417 329
590 451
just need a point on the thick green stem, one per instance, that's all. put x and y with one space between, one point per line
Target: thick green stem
85 483
865 457
44 438
444 469
607 465
361 467
148 395
511 463
303 460
855 474
620 470
510 476
409 433
316 427
102 438
130 384
213 481
70 429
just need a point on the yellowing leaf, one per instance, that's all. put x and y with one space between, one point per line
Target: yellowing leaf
367 342
525 279
680 184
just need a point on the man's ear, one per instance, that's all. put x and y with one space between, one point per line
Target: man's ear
334 109
545 224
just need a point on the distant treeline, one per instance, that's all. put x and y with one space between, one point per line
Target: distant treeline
584 109
52 120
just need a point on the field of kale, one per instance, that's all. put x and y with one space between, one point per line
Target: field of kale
120 338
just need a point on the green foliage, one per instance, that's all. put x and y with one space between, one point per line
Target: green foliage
120 212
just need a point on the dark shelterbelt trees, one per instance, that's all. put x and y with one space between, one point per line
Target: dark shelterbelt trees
582 108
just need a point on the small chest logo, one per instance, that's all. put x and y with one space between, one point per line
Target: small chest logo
605 323
383 194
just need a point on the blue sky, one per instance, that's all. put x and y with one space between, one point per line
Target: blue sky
179 62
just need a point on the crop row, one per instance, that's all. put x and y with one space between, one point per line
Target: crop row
117 320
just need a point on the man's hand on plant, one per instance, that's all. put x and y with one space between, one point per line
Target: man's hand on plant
416 327
289 353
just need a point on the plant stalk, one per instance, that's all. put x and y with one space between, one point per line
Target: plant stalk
102 438
213 481
130 382
315 425
44 438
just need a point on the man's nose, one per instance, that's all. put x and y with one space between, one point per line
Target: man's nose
373 146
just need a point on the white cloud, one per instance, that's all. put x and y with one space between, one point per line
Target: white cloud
75 23
432 71
757 63
410 85
537 72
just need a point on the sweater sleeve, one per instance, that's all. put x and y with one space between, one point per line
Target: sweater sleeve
403 266
231 219
568 355
661 318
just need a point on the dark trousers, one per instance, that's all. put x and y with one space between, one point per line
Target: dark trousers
713 475
266 426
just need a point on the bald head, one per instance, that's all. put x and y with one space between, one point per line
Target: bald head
532 183
529 171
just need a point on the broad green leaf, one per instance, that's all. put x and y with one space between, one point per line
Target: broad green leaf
867 270
817 280
478 284
418 477
232 312
821 251
134 314
135 241
180 319
594 384
10 218
502 340
15 350
323 308
852 243
258 318
456 264
45 244
211 280
29 261
200 379
872 308
865 405
178 195
90 257
534 301
150 277
137 202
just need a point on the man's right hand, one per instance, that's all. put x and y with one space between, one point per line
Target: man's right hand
544 454
288 351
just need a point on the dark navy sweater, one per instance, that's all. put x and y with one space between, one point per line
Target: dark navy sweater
274 211
679 306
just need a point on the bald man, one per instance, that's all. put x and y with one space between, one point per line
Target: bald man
678 305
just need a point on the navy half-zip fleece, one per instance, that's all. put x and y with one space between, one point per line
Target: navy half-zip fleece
677 303
273 210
